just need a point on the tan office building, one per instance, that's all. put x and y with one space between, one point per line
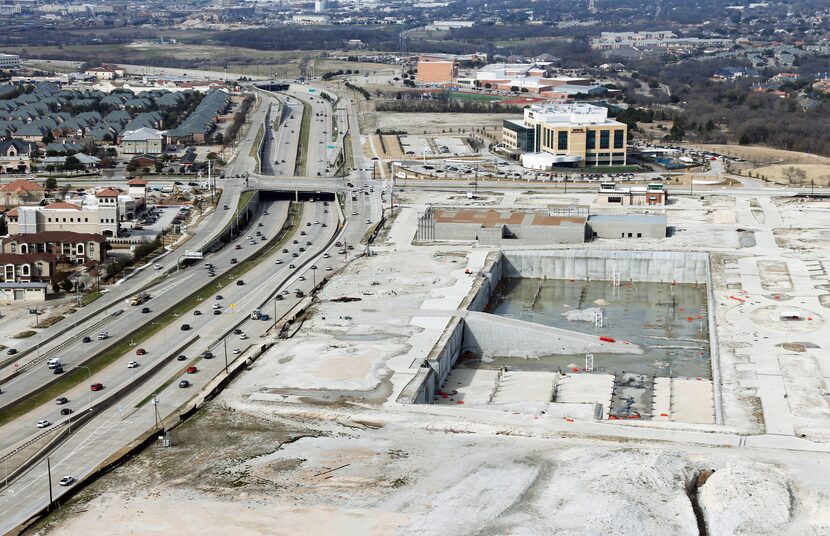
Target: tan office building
573 134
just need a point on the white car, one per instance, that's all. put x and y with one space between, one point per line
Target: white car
217 306
301 278
157 266
132 364
237 351
354 213
67 480
43 423
243 336
278 261
326 255
316 222
329 268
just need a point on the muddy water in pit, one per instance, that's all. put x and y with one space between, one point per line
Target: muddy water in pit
668 321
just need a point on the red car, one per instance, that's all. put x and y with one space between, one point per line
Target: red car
96 386
192 370
140 351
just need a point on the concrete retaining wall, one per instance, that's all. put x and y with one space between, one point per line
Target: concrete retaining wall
601 264
495 336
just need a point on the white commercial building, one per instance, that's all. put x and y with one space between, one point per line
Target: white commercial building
9 62
87 214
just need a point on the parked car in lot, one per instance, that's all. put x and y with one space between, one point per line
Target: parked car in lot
96 387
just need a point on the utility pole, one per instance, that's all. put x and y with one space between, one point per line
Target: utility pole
156 410
225 343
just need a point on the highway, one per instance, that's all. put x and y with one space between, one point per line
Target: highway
129 414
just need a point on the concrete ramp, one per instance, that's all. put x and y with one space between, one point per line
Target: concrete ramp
497 336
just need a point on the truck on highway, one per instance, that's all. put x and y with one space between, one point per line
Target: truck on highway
256 314
55 362
139 298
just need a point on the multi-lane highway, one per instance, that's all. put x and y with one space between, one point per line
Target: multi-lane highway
308 256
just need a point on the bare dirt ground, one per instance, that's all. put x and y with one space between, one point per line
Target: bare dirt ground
765 154
437 123
818 173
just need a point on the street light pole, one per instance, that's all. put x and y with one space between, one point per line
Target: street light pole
88 381
225 344
49 477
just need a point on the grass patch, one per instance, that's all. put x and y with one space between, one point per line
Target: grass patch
257 144
302 147
244 198
132 340
348 160
90 297
51 321
474 97
24 334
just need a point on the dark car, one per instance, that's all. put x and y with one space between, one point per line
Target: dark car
61 400
57 370
140 351
217 312
295 254
11 351
239 282
145 310
181 357
238 246
296 241
291 266
197 312
86 339
207 355
66 411
284 250
237 331
96 386
184 384
185 327
234 261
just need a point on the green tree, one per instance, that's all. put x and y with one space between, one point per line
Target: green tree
51 183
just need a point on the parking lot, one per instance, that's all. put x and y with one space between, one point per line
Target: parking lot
161 217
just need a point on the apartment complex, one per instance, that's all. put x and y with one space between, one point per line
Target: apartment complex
99 215
9 62
566 134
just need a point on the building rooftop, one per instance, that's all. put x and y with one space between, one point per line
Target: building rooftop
629 218
54 236
496 218
21 185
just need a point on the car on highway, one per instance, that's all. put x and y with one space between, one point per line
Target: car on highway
239 282
278 297
184 384
207 355
301 278
238 246
329 268
43 423
61 400
285 250
368 221
66 411
263 238
66 481
278 261
226 207
11 351
326 255
192 370
185 327
295 255
86 339
237 351
354 213
324 225
140 351
103 335
132 364
296 242
57 370
291 266
211 274
181 357
197 312
233 260
96 387
237 331
243 336
157 266
302 249
145 310
302 233
217 312
219 297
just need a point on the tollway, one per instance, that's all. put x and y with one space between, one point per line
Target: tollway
76 353
106 433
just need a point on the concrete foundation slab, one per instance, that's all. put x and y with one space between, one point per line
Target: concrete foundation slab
523 386
468 386
586 389
692 401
